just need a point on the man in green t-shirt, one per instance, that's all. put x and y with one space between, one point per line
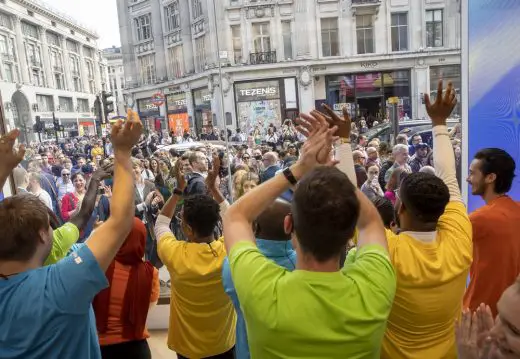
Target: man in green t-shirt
319 310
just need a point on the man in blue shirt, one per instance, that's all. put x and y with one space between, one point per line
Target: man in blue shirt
45 312
275 244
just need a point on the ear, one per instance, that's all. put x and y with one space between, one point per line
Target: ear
401 209
490 178
288 224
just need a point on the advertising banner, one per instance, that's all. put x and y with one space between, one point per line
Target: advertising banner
178 123
492 51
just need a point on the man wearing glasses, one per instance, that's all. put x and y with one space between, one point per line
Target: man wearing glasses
64 184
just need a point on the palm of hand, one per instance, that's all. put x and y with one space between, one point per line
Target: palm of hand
126 135
443 106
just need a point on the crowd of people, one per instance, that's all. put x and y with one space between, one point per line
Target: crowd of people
312 243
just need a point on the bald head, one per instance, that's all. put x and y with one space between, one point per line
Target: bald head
269 225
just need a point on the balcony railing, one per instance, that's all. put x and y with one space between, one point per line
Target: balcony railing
58 69
257 58
8 57
35 62
366 2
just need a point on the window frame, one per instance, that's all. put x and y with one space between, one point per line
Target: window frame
261 36
398 27
143 27
432 24
287 40
330 32
172 16
364 29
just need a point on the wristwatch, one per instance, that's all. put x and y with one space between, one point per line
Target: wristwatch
178 192
290 176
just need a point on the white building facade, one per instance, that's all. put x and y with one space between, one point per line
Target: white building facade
48 64
283 57
116 78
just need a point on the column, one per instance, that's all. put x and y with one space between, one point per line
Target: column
301 20
97 72
83 70
66 64
45 56
420 85
158 42
187 42
22 58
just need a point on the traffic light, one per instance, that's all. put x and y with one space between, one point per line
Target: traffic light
38 127
108 105
97 109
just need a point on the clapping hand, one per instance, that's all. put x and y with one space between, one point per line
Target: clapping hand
316 150
472 333
126 135
9 156
441 109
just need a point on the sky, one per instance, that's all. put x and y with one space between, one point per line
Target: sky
99 15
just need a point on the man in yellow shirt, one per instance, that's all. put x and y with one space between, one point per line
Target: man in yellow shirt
202 317
432 253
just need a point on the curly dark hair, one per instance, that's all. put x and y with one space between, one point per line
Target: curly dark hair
386 210
325 210
499 162
424 196
201 213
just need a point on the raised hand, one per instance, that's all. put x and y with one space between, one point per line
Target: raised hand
344 124
213 173
180 176
102 173
9 156
126 135
443 106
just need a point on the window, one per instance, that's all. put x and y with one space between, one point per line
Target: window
434 28
200 53
53 39
29 30
365 34
399 31
83 105
143 27
10 75
45 103
196 9
36 78
287 40
33 55
3 45
74 65
91 86
147 69
329 37
172 16
5 21
122 82
88 52
236 38
261 37
176 57
90 69
73 46
56 62
66 104
76 82
58 81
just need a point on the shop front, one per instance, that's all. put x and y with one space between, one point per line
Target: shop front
177 108
366 95
264 103
70 126
150 114
203 113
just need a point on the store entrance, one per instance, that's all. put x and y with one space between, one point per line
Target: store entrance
370 109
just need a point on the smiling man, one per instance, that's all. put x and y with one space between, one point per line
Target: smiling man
496 248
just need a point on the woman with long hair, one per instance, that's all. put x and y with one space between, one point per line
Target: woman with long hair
122 308
249 181
394 183
154 166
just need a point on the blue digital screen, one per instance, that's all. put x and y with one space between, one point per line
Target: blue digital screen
494 82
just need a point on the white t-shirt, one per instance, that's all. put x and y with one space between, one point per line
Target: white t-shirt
45 198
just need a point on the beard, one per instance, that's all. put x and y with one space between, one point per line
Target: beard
477 189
